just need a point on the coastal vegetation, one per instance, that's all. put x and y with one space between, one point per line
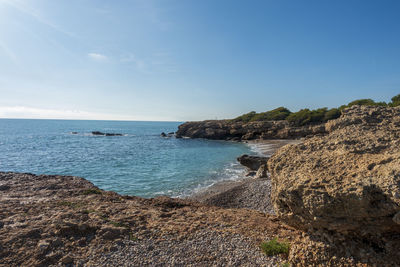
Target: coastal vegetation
274 247
277 114
307 116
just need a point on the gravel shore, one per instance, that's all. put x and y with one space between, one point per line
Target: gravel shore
205 248
248 193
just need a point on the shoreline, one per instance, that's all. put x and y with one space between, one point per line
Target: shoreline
349 178
247 192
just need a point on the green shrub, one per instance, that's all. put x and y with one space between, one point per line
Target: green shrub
306 116
300 117
332 114
395 101
277 114
245 117
363 102
274 247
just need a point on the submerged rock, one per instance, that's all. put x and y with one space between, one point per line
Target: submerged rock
106 134
348 181
113 134
170 134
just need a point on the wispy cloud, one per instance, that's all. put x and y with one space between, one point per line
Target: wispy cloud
155 63
42 113
21 6
97 57
24 112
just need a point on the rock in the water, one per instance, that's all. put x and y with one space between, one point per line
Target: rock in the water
252 162
106 134
348 181
170 134
113 134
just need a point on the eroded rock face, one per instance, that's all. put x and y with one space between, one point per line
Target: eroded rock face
252 162
347 181
236 131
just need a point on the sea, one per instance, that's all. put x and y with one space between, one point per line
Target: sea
140 162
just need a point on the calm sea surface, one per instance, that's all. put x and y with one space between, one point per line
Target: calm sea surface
139 163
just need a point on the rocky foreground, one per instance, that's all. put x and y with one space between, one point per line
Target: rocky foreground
59 220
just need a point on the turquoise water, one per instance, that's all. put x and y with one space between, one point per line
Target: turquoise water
139 163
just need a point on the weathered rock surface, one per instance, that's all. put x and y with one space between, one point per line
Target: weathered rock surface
49 220
252 162
262 171
347 182
236 131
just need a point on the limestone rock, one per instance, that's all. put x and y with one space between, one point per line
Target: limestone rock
347 181
252 162
229 130
262 172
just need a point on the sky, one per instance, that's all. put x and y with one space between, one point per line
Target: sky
186 60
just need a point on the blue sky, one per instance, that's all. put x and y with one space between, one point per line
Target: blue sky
192 60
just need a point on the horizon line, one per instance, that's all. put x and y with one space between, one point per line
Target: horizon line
63 119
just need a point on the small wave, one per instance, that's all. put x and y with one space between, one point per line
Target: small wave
234 172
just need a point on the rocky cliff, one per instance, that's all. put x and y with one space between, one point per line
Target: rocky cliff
346 184
229 130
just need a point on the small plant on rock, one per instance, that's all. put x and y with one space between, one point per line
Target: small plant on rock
91 191
274 247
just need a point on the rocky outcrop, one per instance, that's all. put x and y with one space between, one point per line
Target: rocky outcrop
106 134
346 183
252 162
167 135
236 131
262 171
